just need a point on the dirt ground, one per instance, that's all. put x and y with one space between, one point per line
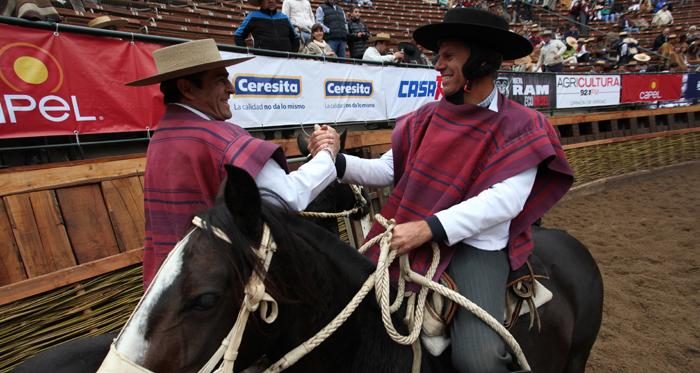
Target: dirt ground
645 238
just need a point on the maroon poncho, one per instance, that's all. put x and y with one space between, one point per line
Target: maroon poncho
184 169
445 154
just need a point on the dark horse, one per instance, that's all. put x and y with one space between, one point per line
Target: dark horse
193 301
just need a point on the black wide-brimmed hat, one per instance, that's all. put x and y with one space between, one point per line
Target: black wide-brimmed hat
410 51
477 27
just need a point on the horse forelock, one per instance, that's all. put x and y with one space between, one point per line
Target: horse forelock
133 342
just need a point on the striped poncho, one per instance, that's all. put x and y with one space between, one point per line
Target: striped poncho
445 154
184 169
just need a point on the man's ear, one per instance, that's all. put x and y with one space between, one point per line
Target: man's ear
185 88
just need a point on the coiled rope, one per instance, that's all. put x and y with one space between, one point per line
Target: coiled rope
356 190
414 314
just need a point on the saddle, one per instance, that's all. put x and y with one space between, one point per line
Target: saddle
523 293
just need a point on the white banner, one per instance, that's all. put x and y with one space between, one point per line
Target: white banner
408 89
587 90
275 92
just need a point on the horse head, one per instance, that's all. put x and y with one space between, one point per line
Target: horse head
336 197
193 302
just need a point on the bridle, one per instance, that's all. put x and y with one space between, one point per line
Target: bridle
359 202
255 298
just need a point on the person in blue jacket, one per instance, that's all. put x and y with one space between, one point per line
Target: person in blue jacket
270 29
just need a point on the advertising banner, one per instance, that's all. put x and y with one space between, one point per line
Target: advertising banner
276 91
55 84
408 89
535 91
574 91
650 88
693 87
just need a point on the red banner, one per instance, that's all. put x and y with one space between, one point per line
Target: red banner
649 88
57 84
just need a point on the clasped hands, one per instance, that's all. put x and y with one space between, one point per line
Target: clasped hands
406 236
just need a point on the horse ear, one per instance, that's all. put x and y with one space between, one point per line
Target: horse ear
303 145
242 198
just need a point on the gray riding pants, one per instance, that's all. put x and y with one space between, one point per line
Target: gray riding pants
481 277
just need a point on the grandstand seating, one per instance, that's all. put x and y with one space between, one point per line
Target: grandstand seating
219 19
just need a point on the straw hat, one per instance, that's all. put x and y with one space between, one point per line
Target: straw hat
571 41
590 40
601 63
474 26
632 63
383 37
642 57
107 21
623 33
184 59
672 36
581 40
547 33
679 28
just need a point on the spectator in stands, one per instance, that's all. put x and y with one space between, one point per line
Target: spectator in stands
331 17
549 4
528 11
473 109
300 14
661 39
642 62
569 55
108 23
641 23
318 46
557 34
551 54
524 32
582 51
598 68
32 10
511 15
667 48
534 39
187 154
381 46
621 68
627 48
672 68
693 34
270 29
423 59
662 17
613 36
677 57
691 56
528 63
358 34
302 46
571 32
579 12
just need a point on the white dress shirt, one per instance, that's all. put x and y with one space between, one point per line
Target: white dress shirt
482 221
298 188
372 54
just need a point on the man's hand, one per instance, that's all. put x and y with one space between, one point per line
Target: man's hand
408 236
398 56
324 137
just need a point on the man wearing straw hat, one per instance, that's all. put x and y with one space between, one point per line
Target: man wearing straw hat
270 29
464 169
381 46
108 23
642 62
551 54
193 142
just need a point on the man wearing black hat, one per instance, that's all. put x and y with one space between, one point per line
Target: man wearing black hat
466 170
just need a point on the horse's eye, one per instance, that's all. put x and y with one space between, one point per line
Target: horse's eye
205 302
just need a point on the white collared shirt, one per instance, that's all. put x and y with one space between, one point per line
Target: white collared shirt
298 188
482 221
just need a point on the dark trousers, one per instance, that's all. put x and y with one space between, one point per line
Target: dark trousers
554 68
481 277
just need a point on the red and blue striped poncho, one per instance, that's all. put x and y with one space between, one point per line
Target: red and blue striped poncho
184 169
445 154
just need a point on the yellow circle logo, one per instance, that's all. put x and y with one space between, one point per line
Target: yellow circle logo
31 70
653 84
26 67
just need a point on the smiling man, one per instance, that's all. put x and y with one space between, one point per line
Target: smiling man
193 142
471 172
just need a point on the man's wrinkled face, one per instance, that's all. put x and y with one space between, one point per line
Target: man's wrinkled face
667 31
212 98
453 55
268 4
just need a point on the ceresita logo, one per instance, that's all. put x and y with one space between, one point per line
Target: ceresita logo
252 85
31 71
338 88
